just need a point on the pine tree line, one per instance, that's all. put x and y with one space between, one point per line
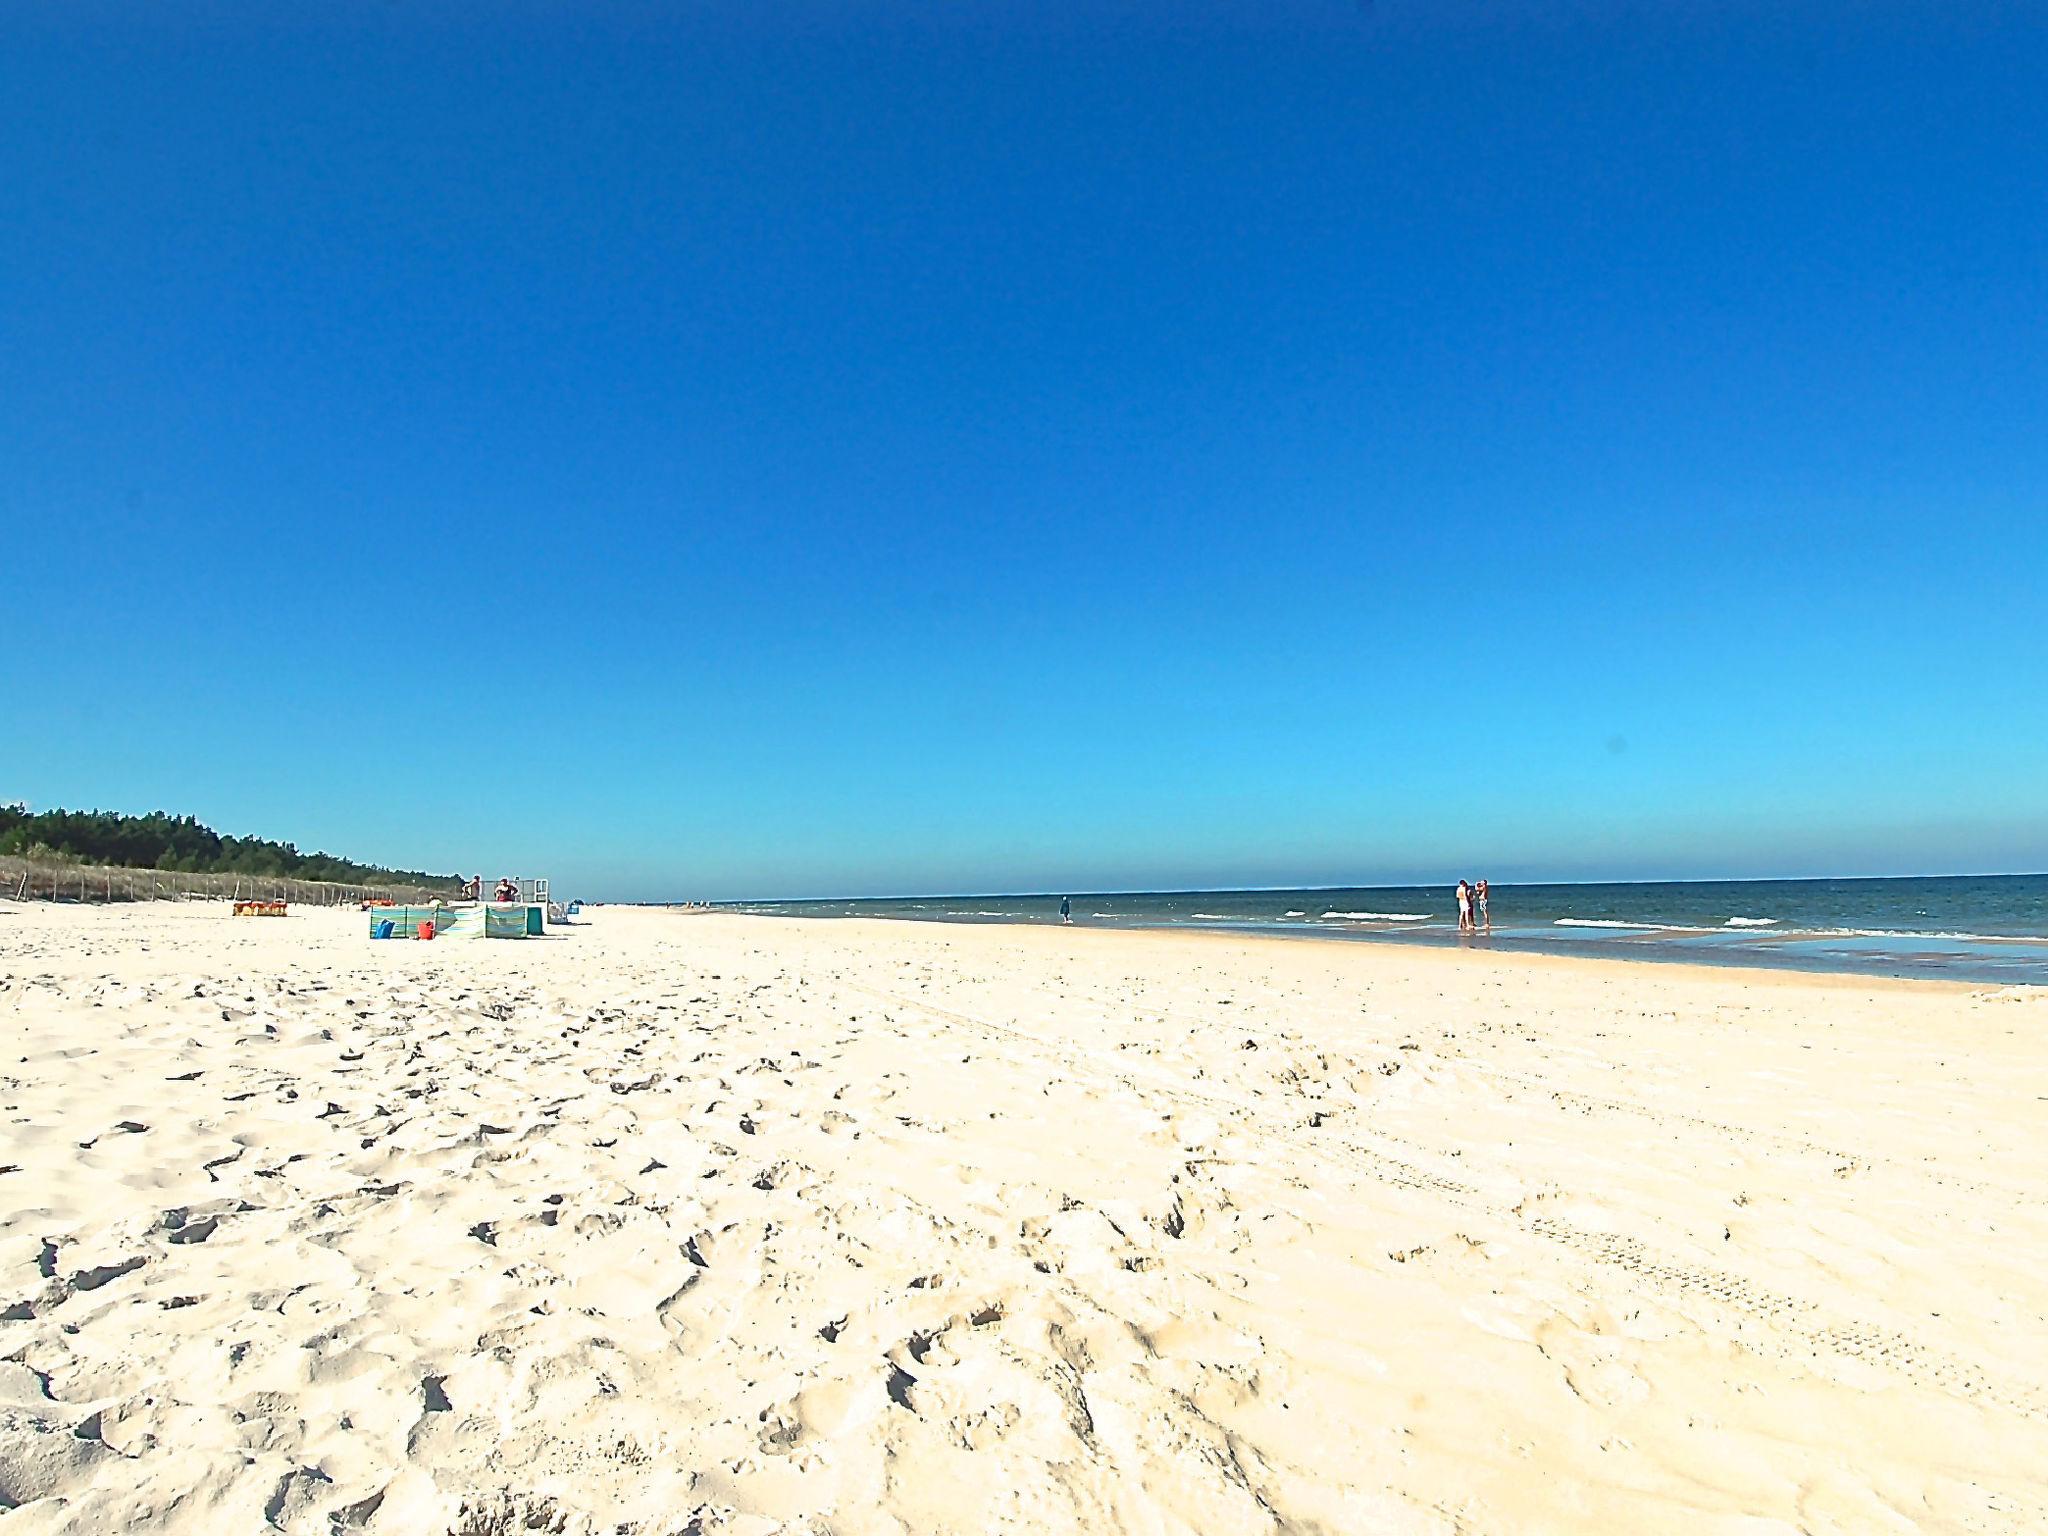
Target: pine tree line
182 843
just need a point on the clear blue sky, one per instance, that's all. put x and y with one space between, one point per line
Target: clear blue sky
729 449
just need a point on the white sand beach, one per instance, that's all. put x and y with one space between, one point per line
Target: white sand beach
711 1223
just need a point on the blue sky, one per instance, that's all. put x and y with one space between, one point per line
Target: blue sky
763 450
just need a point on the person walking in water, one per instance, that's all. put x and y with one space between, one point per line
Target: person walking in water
1066 910
1479 897
1464 906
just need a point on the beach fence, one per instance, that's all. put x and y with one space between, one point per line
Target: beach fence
23 879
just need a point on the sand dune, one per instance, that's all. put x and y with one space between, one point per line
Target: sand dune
718 1224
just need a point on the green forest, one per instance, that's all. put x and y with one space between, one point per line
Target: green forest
182 843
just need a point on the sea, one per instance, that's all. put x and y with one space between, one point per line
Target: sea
1988 928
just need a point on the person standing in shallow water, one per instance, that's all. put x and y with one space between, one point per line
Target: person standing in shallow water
1480 917
1066 910
1464 906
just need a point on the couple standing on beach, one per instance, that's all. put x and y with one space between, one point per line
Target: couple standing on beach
1472 915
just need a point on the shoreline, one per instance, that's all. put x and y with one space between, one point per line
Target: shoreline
1990 930
1795 975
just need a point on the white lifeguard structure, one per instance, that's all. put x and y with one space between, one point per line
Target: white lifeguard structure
533 892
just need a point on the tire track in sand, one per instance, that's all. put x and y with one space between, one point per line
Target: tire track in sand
1872 1344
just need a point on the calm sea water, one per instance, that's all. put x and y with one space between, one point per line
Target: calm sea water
1977 928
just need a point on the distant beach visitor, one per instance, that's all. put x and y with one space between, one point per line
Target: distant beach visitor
1479 893
1464 906
1066 910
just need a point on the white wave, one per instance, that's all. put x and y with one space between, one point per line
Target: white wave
1381 917
1294 914
1647 926
1751 922
1928 933
1112 914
